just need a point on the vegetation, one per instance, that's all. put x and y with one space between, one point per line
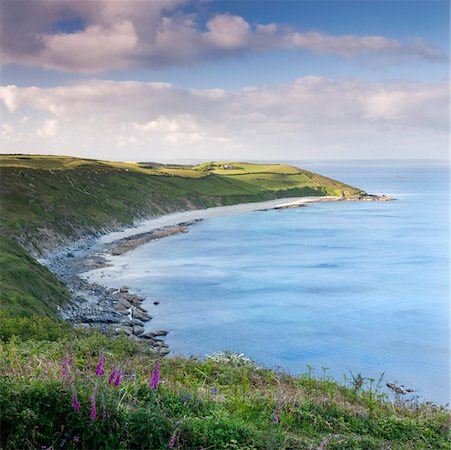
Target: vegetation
27 287
88 391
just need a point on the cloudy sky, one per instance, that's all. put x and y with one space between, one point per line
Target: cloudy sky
198 79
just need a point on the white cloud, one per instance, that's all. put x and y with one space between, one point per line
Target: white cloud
226 31
8 134
49 129
8 95
310 117
121 34
92 50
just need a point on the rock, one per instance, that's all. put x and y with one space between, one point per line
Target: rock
141 308
133 298
153 334
82 325
126 330
70 255
123 290
156 302
102 317
137 330
145 336
137 322
140 314
122 310
122 302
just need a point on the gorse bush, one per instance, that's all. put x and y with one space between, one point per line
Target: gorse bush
90 392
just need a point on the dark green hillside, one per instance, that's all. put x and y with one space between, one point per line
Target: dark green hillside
26 287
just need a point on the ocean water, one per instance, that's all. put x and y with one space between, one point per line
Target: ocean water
351 286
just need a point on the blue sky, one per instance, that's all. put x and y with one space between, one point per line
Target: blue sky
333 79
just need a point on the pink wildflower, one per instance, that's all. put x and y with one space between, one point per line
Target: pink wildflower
276 412
100 369
112 376
118 379
155 376
75 403
93 413
172 441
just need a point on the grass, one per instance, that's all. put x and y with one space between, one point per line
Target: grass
198 404
26 286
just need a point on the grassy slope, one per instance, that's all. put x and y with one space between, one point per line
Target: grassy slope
27 288
214 405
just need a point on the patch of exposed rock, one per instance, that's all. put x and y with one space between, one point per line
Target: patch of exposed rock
129 243
112 311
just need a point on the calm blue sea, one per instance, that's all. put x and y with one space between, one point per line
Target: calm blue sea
348 286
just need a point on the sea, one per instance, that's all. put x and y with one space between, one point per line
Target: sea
341 288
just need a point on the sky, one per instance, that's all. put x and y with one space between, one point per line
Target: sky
225 80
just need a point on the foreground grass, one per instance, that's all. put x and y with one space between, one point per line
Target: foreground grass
194 404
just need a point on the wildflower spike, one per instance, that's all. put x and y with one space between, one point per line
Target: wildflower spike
155 375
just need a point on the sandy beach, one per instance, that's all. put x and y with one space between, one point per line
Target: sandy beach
199 214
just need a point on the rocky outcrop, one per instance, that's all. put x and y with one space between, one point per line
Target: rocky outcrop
130 243
112 311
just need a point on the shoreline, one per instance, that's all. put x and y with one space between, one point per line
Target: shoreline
115 311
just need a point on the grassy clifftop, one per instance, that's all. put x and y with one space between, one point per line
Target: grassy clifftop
47 199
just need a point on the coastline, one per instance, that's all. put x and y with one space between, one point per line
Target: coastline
116 311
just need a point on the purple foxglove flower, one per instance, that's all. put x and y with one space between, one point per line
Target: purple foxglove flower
93 412
172 441
112 376
118 379
75 403
155 376
100 369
